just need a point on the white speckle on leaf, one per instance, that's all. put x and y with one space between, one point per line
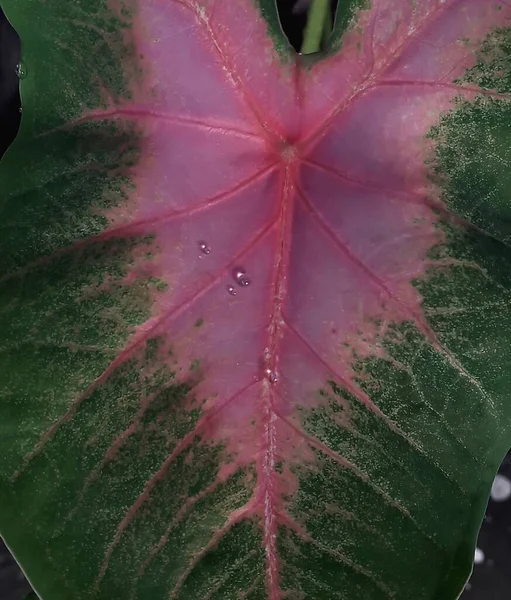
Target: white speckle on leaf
501 488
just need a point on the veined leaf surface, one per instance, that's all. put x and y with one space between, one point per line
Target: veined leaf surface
254 311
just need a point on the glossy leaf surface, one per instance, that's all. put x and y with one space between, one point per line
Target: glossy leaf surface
254 312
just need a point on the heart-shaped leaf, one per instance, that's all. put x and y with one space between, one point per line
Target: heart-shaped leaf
254 309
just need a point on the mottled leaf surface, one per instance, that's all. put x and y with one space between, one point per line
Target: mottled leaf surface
254 311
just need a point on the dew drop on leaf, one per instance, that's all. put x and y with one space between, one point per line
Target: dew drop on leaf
21 70
271 376
231 290
204 248
240 277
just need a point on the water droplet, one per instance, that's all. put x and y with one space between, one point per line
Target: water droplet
231 290
21 70
204 248
240 277
478 556
271 376
501 488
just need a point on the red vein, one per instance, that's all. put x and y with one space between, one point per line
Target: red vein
270 131
370 79
365 400
419 198
131 228
183 444
117 444
374 16
354 390
48 435
423 327
339 244
415 197
348 515
170 216
132 346
146 113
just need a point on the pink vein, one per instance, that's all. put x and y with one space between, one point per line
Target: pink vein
355 567
426 331
439 84
234 566
136 343
178 518
364 399
342 558
117 444
234 518
345 463
183 444
357 472
366 440
266 464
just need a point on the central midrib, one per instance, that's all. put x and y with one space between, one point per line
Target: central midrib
267 491
266 465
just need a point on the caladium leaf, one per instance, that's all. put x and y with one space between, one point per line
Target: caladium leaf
254 310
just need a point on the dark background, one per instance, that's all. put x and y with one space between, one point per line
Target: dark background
491 579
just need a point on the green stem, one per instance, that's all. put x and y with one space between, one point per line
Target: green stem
318 24
327 29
